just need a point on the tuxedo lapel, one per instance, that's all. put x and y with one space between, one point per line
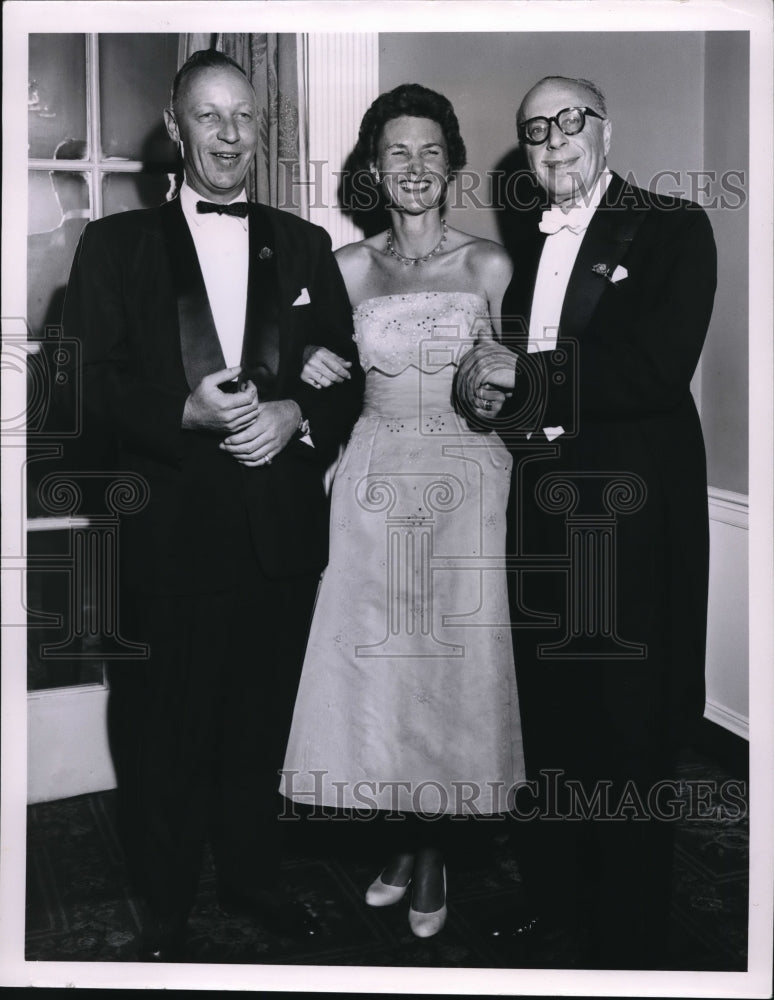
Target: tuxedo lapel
199 343
608 238
261 344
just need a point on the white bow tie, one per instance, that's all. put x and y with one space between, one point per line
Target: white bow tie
576 220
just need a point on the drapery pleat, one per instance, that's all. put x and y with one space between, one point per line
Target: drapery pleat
193 42
274 64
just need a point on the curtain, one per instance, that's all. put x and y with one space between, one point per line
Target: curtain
275 65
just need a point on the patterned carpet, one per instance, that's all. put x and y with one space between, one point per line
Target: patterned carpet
78 908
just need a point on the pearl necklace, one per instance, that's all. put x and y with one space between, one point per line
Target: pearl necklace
418 260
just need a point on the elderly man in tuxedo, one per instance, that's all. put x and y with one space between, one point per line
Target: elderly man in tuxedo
193 319
603 323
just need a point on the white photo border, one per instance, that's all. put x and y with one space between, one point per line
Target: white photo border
755 16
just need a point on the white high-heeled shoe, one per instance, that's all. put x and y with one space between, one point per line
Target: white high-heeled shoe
380 893
425 925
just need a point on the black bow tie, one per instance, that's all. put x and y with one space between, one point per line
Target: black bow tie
237 208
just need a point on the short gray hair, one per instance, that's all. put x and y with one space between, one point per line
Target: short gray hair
578 82
203 59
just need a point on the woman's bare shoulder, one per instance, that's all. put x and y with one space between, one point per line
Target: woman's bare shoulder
490 262
488 265
357 262
362 250
487 253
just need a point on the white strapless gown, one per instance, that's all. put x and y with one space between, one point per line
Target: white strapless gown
408 696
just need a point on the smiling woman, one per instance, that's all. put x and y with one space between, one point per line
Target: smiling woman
404 696
413 161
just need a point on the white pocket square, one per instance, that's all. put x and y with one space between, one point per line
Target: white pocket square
619 274
303 298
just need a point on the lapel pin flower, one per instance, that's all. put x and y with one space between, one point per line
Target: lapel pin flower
603 270
265 253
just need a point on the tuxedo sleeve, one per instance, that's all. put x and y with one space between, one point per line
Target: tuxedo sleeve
100 301
331 411
638 354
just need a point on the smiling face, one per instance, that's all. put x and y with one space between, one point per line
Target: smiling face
215 121
567 166
413 162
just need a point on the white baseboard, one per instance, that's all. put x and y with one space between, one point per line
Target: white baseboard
732 508
728 616
728 719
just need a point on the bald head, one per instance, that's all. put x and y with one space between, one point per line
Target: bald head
595 97
567 166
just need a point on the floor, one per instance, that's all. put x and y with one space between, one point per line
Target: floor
78 907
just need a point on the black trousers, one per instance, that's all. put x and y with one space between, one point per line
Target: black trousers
198 733
593 833
601 722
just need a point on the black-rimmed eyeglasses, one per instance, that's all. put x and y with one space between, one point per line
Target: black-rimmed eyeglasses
571 121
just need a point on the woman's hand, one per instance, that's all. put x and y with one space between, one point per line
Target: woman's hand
323 368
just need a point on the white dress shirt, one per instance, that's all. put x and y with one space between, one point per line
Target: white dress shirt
222 246
556 264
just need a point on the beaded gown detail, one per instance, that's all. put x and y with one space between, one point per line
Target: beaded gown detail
407 698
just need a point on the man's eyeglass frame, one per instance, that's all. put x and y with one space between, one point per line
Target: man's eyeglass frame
522 128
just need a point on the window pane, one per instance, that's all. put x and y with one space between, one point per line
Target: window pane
135 76
56 95
49 591
121 192
58 209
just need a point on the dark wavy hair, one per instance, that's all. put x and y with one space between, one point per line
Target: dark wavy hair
417 102
360 196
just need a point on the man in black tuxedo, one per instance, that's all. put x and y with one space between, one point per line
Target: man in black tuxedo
604 322
193 318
